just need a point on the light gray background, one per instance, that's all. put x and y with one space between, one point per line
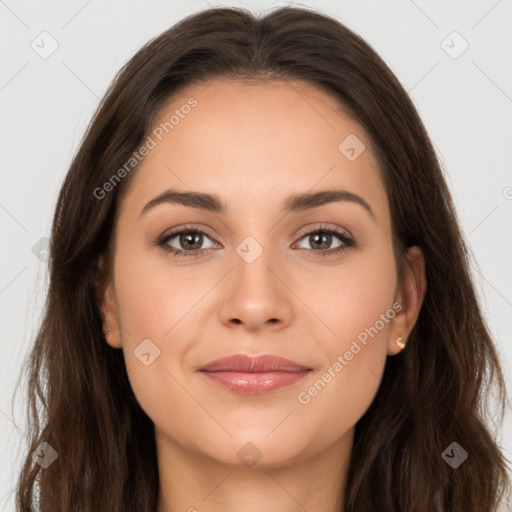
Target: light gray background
465 103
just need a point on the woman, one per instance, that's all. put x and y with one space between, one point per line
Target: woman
321 346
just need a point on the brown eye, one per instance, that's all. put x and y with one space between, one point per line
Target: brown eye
191 240
321 239
187 242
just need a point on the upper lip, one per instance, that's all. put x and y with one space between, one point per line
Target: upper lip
251 364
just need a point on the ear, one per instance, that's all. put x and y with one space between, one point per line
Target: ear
107 305
410 295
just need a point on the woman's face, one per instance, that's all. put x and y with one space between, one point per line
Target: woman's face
250 280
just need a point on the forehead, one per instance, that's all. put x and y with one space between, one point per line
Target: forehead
256 143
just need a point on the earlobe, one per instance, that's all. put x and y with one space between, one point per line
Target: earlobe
410 295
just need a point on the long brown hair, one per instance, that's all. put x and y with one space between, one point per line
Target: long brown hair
432 394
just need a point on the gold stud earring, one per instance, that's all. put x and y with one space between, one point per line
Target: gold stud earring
400 342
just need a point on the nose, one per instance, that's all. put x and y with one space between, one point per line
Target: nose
257 295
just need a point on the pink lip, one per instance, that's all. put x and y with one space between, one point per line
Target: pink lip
254 375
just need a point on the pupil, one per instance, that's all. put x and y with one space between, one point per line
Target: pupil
320 236
189 237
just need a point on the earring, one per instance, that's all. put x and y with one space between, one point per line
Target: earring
400 342
106 329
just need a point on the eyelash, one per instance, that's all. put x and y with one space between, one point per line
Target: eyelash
347 242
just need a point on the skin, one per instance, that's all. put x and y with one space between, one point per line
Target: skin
253 145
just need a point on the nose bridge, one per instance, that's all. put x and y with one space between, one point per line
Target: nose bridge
253 265
256 295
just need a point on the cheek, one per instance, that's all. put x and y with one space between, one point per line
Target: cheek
345 387
357 307
156 303
153 297
351 297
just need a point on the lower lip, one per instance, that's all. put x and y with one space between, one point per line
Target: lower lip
255 383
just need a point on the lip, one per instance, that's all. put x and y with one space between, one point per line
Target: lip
254 375
253 364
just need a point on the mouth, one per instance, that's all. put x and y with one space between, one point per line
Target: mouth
254 375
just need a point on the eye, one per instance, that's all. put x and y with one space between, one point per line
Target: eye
322 237
189 241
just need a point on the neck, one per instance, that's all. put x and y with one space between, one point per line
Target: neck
191 482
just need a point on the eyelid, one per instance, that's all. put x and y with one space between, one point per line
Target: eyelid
186 227
325 227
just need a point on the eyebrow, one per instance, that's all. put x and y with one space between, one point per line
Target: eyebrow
294 203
